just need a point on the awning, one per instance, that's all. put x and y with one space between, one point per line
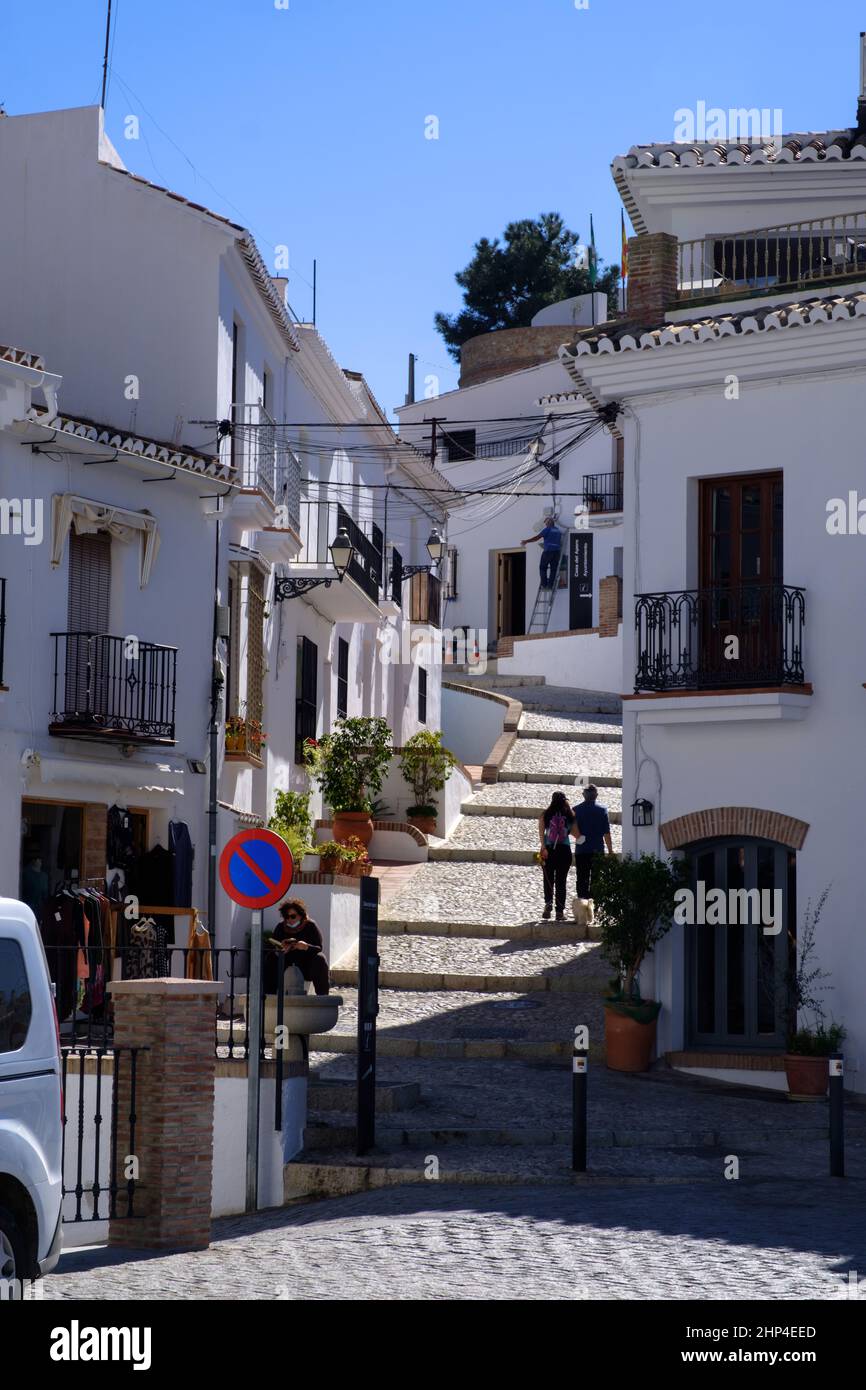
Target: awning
116 777
87 517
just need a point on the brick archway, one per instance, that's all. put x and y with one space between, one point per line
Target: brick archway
734 820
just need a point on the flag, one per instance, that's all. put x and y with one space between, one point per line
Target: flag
624 254
593 255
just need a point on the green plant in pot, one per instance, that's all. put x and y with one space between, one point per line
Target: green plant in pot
425 766
335 857
635 900
292 821
349 765
810 1045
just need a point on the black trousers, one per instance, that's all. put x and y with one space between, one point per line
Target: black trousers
312 965
556 867
549 567
583 863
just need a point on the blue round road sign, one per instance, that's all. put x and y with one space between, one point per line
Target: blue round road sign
256 868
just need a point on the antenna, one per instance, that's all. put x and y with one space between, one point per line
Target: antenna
105 59
314 294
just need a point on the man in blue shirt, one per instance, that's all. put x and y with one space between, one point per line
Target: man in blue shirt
551 540
591 821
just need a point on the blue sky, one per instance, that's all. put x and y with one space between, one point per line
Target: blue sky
307 123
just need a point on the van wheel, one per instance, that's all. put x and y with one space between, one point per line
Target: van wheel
13 1250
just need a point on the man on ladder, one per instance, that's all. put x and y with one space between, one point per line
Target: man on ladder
551 540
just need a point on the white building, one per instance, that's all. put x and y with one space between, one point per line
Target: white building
192 443
740 384
520 432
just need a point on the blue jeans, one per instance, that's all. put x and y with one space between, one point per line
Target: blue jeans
549 567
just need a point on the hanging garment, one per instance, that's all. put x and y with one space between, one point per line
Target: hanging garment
151 879
119 851
61 927
180 845
145 958
199 962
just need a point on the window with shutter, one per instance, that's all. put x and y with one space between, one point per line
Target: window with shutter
342 678
306 701
88 612
422 695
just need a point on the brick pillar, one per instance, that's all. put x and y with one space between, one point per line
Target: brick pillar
174 1104
652 275
609 605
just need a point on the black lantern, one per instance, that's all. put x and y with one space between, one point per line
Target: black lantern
641 812
342 550
435 546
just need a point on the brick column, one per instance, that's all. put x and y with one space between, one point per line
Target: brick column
652 275
174 1104
609 605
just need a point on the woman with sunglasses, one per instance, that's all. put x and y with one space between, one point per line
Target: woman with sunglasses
297 938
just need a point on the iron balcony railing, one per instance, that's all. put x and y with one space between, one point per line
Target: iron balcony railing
264 461
396 576
320 522
602 492
790 255
723 636
2 626
114 687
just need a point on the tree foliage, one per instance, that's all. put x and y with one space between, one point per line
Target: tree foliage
507 282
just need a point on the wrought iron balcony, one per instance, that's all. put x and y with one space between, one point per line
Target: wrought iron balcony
320 522
602 492
113 688
684 638
264 461
790 255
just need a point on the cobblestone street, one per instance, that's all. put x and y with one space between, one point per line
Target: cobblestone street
728 1241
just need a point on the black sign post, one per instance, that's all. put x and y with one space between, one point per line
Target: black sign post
368 1008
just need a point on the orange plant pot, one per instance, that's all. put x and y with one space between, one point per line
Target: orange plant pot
628 1045
807 1076
347 823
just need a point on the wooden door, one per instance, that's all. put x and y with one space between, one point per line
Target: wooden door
740 579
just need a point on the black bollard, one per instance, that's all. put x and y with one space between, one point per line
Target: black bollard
837 1117
578 1116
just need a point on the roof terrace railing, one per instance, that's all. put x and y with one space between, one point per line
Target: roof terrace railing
790 255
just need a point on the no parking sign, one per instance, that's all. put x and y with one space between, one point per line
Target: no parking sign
256 868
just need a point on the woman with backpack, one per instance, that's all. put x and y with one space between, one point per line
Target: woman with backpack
554 826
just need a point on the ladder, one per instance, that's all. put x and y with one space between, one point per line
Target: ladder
542 609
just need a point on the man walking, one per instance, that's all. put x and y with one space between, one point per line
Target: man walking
551 540
591 822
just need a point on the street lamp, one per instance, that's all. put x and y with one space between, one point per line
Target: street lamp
435 549
342 551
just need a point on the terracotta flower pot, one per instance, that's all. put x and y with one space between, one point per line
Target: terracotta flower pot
348 823
329 864
807 1076
628 1044
426 824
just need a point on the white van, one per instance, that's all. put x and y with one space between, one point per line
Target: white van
31 1100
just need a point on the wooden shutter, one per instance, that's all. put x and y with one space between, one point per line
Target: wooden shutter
255 645
89 582
306 702
342 678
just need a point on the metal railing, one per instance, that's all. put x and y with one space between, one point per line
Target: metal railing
397 576
723 636
790 255
111 1194
320 522
602 492
2 626
264 460
115 686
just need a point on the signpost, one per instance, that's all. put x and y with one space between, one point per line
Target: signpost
256 870
368 1008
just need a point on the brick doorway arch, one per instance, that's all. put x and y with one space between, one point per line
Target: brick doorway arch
723 821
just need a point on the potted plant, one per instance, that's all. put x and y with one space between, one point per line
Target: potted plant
635 900
360 865
350 765
235 734
334 857
809 1047
425 766
291 820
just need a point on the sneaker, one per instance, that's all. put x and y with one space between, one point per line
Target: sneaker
546 914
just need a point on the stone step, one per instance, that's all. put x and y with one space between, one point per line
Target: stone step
587 760
571 735
558 779
477 984
539 964
460 890
324 1096
529 813
528 931
317 1173
529 798
492 680
323 1132
452 1049
486 854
